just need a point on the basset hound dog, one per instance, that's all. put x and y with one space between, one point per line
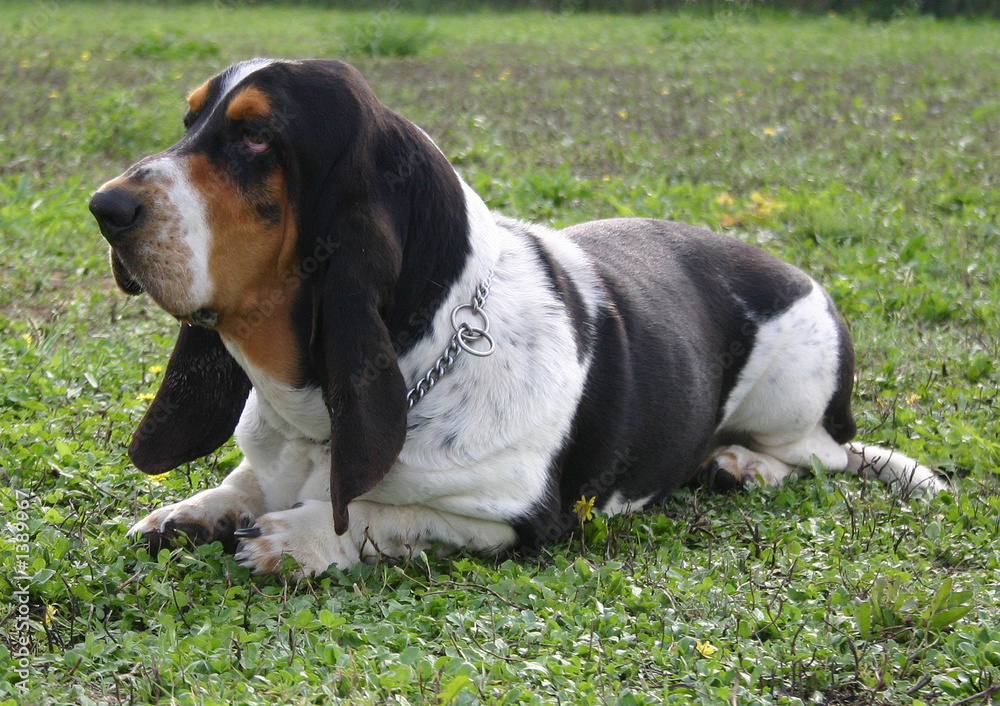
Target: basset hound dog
405 370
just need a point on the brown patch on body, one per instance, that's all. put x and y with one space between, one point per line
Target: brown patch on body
248 104
196 99
253 267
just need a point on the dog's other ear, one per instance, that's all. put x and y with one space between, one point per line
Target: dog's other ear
197 406
352 349
382 225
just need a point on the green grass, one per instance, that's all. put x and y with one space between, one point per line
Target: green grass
864 153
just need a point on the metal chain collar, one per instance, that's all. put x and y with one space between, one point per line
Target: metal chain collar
465 335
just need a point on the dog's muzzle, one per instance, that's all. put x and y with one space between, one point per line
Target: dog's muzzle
118 214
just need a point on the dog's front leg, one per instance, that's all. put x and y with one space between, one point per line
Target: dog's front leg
306 532
208 516
273 475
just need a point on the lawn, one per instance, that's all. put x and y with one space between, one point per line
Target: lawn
865 153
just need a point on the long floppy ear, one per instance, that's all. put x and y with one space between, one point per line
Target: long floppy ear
197 406
363 387
383 231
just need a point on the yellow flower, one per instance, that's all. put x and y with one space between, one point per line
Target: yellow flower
584 508
504 75
623 114
740 93
50 613
665 91
725 199
145 396
53 93
771 69
158 478
729 221
770 131
592 47
606 177
85 56
477 73
897 117
912 398
156 369
706 648
29 339
764 206
25 63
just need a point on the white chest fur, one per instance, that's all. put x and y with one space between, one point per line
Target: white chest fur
295 412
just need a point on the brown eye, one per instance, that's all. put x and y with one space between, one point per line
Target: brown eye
255 145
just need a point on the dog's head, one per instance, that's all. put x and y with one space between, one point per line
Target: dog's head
296 224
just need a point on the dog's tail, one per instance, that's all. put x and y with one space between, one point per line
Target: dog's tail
893 468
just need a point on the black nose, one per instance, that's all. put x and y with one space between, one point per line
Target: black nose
117 212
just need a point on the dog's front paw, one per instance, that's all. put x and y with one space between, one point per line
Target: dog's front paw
211 515
305 532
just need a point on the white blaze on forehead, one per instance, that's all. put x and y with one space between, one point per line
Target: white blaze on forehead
189 227
228 80
235 74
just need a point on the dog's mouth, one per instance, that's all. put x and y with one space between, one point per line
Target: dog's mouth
123 278
129 284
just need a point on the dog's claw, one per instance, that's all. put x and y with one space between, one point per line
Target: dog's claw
248 533
718 478
751 482
244 558
154 542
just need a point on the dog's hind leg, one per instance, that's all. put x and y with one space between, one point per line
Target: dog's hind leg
892 468
896 470
769 463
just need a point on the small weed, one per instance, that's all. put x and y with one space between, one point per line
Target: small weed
384 34
174 45
891 612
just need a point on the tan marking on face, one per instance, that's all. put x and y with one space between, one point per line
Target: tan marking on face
254 268
248 104
196 99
